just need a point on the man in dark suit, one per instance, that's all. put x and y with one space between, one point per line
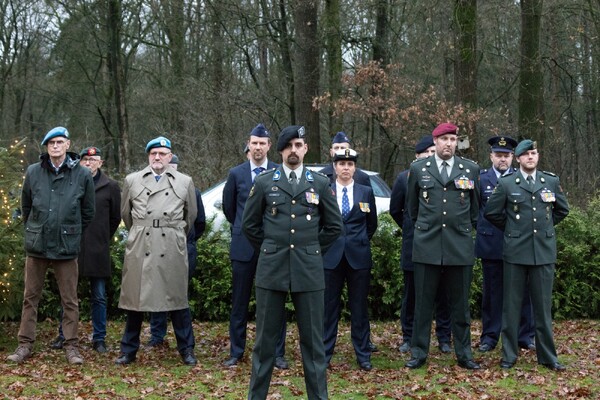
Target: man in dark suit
291 218
423 149
526 205
349 260
443 202
488 247
242 254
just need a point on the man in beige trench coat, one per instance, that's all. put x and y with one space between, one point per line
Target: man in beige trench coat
158 207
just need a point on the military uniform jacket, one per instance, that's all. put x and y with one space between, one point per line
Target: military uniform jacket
527 216
158 216
444 216
291 229
400 214
488 242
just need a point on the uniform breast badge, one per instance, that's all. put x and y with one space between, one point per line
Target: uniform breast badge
548 196
464 183
364 207
312 198
426 196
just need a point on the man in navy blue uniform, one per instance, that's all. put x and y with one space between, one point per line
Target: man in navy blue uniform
349 260
488 247
243 256
423 149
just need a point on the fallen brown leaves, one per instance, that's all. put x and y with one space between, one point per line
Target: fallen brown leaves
159 374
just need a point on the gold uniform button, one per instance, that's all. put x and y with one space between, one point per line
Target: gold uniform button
291 246
293 201
293 231
535 231
293 216
443 225
535 220
444 200
444 213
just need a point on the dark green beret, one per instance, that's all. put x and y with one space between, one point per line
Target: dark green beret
524 146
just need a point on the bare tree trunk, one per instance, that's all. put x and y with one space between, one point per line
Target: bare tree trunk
465 68
307 68
333 46
118 79
531 91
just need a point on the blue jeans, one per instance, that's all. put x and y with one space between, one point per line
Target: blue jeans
98 303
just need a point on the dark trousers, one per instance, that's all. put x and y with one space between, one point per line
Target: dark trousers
182 326
241 291
491 307
541 280
407 313
427 280
269 317
358 281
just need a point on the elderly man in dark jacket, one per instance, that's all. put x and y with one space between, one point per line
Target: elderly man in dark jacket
94 257
58 204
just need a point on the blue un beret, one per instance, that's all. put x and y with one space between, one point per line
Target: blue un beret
525 146
425 143
160 141
340 137
55 132
289 133
260 131
502 144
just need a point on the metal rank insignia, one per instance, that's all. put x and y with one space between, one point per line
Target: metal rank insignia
548 196
464 183
273 211
364 207
426 196
312 198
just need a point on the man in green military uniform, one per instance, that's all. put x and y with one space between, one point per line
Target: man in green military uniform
291 217
526 205
443 202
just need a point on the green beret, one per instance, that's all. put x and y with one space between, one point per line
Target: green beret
524 146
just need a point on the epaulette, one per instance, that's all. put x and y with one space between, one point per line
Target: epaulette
507 174
483 171
549 173
466 159
319 173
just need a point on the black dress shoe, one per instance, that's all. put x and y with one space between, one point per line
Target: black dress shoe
529 346
373 347
57 343
506 364
125 358
484 347
188 357
415 363
404 347
469 364
445 347
365 365
556 366
100 346
281 363
231 361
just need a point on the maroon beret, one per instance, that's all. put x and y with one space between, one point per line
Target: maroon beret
445 128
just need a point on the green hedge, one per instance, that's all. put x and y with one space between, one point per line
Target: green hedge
576 293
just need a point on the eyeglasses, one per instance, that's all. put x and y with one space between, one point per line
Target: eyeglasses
161 154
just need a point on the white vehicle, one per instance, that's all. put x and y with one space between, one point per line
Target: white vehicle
212 198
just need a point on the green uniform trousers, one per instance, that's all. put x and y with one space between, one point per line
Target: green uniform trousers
309 308
540 279
457 279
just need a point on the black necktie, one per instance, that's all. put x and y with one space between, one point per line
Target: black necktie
530 181
157 177
293 178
